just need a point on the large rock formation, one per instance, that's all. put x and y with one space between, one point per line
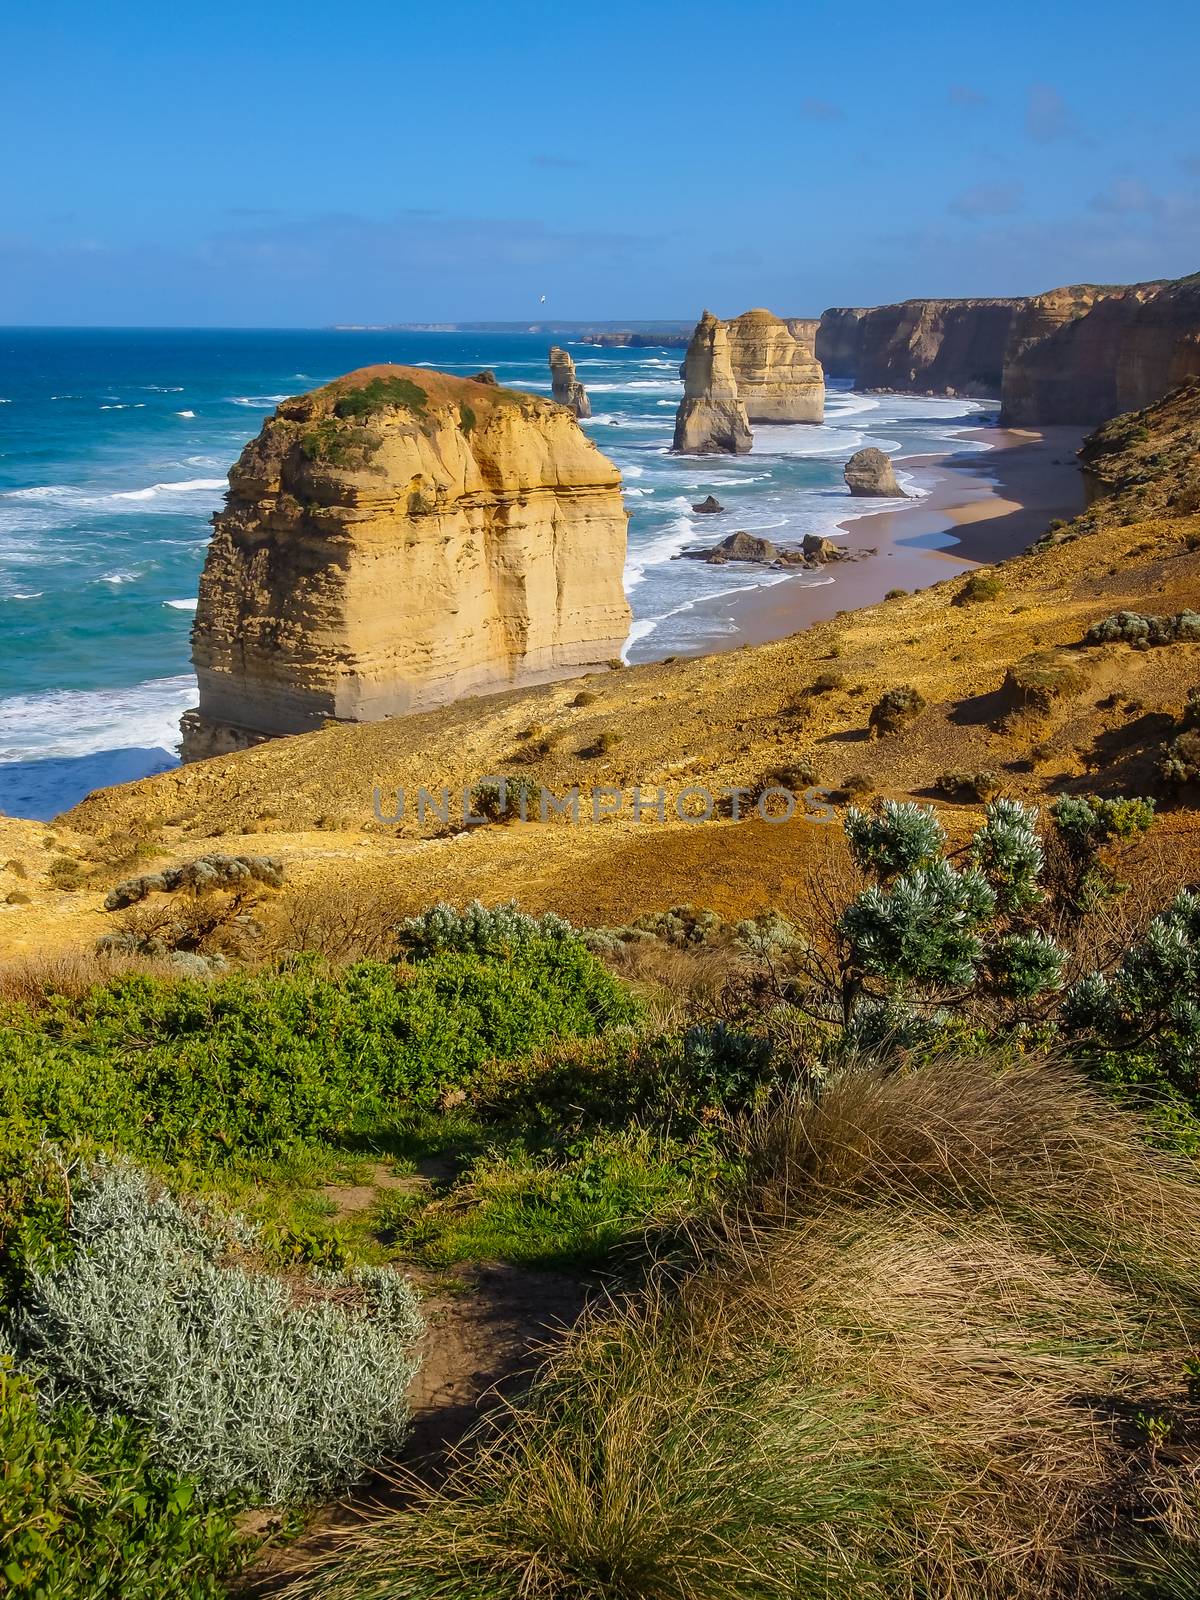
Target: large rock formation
1083 354
711 418
804 331
953 347
838 341
565 386
870 472
395 540
778 378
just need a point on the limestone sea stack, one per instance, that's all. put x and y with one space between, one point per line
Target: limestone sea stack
394 540
565 386
711 418
778 378
870 472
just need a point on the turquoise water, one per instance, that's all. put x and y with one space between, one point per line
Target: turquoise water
114 445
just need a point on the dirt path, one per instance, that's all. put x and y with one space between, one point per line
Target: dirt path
487 1327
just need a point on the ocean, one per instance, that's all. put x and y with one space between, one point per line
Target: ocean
115 443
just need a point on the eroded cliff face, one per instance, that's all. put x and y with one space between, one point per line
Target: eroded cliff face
565 387
1083 354
953 347
1161 348
778 378
1056 369
711 418
395 540
838 342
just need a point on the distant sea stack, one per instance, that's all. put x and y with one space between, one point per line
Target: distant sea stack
935 347
394 540
711 418
778 378
1084 353
565 387
870 472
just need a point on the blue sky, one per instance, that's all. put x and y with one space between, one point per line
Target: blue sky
263 164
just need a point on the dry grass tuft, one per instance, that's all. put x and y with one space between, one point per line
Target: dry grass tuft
895 1371
30 981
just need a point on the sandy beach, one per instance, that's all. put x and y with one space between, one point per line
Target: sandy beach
981 506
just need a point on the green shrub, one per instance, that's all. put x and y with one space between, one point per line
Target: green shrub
980 786
858 783
198 877
85 1513
64 872
1179 763
1141 1024
351 448
380 394
479 930
256 1064
795 775
895 711
923 929
979 586
1143 631
900 837
278 1391
585 697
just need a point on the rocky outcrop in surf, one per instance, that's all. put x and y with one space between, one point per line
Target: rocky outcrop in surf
1083 353
778 378
565 387
394 540
870 472
711 418
935 347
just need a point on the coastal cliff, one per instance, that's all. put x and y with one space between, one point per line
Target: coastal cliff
952 347
778 378
394 540
565 387
1061 361
711 418
838 340
1083 354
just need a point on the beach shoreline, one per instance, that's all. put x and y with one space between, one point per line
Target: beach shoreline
979 506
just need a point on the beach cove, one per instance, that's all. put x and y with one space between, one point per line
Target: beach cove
114 447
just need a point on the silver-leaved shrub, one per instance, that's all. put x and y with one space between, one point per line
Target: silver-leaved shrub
281 1389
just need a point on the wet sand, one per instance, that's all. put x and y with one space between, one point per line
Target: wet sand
981 506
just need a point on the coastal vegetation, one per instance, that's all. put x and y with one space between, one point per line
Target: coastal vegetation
857 1161
825 1173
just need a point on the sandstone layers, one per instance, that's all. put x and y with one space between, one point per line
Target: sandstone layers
1075 355
1083 354
778 377
711 417
753 368
565 387
395 540
870 472
953 347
